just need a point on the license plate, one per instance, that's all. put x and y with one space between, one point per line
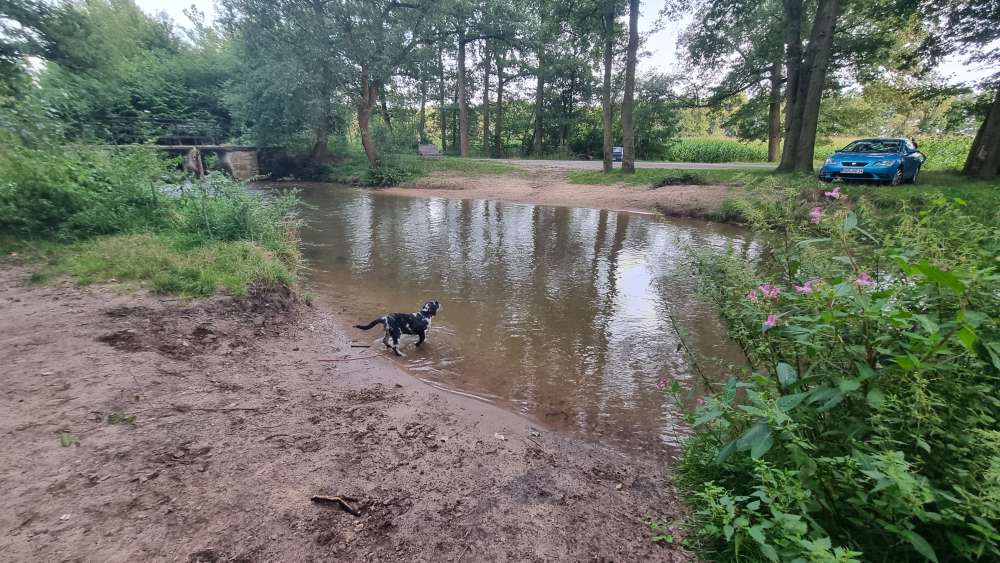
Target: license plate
852 171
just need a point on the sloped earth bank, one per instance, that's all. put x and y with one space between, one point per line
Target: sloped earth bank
548 186
237 424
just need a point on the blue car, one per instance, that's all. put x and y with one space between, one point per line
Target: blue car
883 160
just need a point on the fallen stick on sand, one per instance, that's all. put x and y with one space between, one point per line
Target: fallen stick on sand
345 359
342 502
361 345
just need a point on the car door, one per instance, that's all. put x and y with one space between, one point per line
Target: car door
911 159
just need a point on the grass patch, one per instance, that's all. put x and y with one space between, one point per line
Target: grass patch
652 177
163 264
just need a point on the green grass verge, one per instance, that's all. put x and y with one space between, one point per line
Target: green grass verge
981 198
158 262
650 176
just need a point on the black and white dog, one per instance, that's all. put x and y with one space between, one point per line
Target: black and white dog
397 324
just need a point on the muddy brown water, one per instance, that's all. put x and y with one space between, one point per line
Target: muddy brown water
570 316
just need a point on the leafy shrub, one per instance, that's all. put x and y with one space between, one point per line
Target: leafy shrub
386 174
185 236
73 193
866 425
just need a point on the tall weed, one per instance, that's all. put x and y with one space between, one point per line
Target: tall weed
866 427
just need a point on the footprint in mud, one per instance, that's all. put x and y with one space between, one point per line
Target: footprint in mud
125 339
205 556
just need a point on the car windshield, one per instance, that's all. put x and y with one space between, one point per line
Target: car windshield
872 145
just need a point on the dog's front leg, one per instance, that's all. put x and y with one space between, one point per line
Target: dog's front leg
422 336
396 333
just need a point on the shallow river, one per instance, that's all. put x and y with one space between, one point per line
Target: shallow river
570 316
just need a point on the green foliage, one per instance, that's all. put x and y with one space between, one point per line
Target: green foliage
68 193
351 167
865 426
189 237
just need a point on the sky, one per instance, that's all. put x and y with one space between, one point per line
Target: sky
661 45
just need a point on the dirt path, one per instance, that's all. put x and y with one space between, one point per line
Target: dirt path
548 186
237 424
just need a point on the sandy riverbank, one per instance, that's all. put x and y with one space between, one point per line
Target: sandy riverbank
548 186
237 424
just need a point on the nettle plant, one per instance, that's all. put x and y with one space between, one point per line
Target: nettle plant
867 424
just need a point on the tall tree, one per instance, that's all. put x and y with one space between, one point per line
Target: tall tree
608 29
377 38
743 37
628 100
806 80
291 70
972 27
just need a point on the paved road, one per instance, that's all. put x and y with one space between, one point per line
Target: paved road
596 164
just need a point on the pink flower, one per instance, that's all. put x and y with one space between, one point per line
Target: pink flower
864 280
816 215
700 401
752 296
770 291
662 383
835 193
772 321
805 288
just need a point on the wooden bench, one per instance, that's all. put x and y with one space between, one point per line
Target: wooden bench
428 151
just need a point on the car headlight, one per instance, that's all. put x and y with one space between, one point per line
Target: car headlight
885 163
828 161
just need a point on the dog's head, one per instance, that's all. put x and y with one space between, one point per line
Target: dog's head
430 308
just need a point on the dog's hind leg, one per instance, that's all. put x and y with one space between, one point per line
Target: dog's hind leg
385 339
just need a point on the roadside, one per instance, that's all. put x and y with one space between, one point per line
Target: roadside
237 424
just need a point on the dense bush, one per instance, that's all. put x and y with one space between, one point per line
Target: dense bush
75 193
72 193
867 424
183 234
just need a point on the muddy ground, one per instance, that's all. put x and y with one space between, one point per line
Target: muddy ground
548 186
139 428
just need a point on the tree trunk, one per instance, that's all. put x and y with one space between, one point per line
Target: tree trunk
463 100
821 47
369 95
498 114
536 141
441 112
793 65
321 148
454 120
486 102
422 132
774 115
385 109
984 157
628 101
606 110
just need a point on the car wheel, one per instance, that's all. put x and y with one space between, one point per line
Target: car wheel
897 178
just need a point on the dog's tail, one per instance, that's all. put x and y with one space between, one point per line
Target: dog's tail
377 321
